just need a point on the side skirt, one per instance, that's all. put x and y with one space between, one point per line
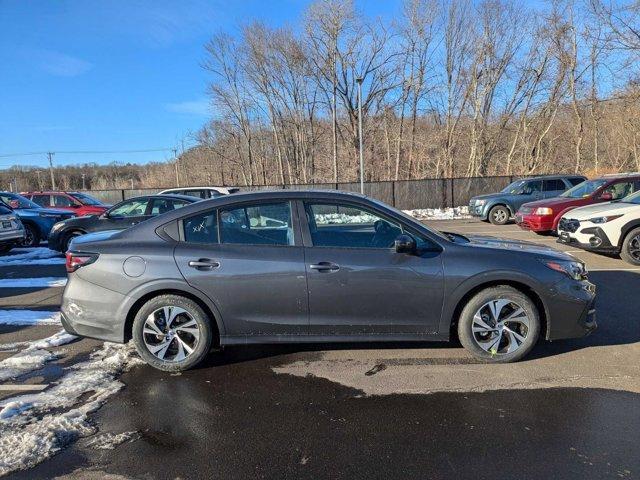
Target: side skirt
274 339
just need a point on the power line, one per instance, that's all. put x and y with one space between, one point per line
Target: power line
86 152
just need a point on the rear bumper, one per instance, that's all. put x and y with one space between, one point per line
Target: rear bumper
88 311
571 309
535 223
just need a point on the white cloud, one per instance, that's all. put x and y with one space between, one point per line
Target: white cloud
200 107
60 64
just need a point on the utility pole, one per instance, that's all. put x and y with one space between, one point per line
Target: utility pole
39 182
84 186
53 178
359 82
131 183
175 155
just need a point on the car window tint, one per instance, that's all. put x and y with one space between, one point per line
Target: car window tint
42 200
341 225
619 190
164 205
133 208
62 201
259 224
201 228
575 181
534 186
553 185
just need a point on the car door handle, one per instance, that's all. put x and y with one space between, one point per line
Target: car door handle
204 264
325 267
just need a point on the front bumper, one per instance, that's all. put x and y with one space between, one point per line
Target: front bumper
478 210
571 311
592 239
535 223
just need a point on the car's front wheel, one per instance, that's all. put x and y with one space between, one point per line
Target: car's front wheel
31 236
630 251
499 215
172 333
499 324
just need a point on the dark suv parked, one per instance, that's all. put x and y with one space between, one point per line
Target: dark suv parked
316 266
499 208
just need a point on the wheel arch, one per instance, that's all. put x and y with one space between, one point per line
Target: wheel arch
500 203
208 308
465 294
626 228
33 224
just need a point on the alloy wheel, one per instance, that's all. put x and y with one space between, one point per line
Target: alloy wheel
634 248
500 215
29 237
500 326
171 333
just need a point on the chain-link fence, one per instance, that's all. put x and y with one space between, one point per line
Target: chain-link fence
404 194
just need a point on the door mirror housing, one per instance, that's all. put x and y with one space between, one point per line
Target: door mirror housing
606 196
405 244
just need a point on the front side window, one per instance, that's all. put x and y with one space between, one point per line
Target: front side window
346 226
257 224
533 186
619 190
133 208
62 201
201 228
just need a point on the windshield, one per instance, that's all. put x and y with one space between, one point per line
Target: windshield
18 201
633 198
514 188
86 199
584 189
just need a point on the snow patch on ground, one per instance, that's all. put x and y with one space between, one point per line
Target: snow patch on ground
439 213
32 357
32 256
34 427
33 282
29 317
109 441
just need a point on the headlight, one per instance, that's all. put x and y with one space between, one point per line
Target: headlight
543 211
604 219
480 203
575 270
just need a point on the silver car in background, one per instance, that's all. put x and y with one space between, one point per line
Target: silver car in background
11 229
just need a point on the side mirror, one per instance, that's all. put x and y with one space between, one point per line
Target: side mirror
405 244
606 196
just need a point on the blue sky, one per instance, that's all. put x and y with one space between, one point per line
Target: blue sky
115 75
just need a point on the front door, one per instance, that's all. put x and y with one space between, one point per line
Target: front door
249 260
359 285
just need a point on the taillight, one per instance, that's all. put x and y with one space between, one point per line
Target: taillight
76 260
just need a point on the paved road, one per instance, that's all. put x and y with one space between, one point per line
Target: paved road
572 410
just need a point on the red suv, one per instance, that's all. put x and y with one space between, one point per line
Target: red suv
79 203
543 216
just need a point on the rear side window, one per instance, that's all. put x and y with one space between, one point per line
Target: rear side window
575 180
259 224
164 205
42 200
553 185
201 228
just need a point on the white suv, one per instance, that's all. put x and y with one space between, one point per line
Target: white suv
612 227
202 192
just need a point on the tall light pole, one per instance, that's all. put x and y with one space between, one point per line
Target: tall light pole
359 82
53 178
175 156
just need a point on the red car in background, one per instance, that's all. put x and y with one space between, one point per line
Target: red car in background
543 216
79 203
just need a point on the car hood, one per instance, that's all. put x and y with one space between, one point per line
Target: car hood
553 202
601 209
490 196
496 243
38 211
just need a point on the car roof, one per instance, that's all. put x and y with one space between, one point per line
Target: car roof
552 177
174 196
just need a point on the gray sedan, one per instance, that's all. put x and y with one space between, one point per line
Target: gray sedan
316 266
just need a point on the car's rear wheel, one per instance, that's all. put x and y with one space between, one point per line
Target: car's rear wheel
172 333
630 251
499 215
499 325
5 248
31 236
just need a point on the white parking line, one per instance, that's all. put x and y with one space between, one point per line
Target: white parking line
23 388
614 269
33 282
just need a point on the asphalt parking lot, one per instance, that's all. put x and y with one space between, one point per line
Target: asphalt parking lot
570 410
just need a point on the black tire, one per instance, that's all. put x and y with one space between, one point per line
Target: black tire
201 347
630 245
477 303
499 215
32 237
66 240
5 248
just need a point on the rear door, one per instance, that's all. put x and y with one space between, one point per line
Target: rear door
553 187
358 284
249 260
